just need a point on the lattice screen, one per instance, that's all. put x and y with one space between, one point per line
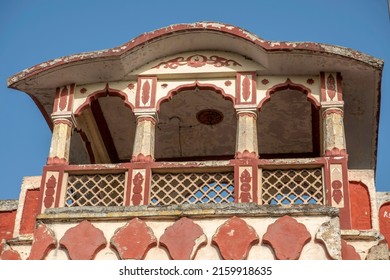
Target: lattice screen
192 188
95 190
293 186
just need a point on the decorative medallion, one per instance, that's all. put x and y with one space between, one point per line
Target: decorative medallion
287 237
337 193
245 187
264 81
137 188
234 239
133 240
228 83
83 90
183 239
331 86
131 86
246 88
310 81
83 241
50 191
63 98
209 117
196 61
145 92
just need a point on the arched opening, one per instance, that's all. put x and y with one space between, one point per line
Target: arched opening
106 130
288 125
360 206
384 221
196 124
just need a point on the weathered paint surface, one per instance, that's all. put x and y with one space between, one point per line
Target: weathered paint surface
44 241
329 234
7 224
235 238
384 221
287 237
348 252
208 26
83 241
9 254
183 239
191 248
171 87
360 206
378 252
30 211
133 240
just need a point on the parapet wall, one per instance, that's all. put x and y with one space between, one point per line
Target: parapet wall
210 231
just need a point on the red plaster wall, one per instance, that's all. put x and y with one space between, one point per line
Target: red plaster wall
30 211
384 221
360 206
7 224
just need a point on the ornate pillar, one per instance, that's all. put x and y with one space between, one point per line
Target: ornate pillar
246 165
139 175
53 180
246 139
334 146
333 131
143 150
60 141
245 173
63 123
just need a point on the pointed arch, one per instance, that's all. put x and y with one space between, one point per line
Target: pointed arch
286 131
288 84
193 86
107 91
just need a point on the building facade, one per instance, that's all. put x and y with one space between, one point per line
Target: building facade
204 141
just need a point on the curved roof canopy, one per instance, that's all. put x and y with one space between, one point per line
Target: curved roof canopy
361 73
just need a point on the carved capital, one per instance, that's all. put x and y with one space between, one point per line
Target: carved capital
247 112
333 110
64 118
149 116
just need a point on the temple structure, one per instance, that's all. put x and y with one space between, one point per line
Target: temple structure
204 141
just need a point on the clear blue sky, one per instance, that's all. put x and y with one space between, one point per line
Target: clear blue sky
36 31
